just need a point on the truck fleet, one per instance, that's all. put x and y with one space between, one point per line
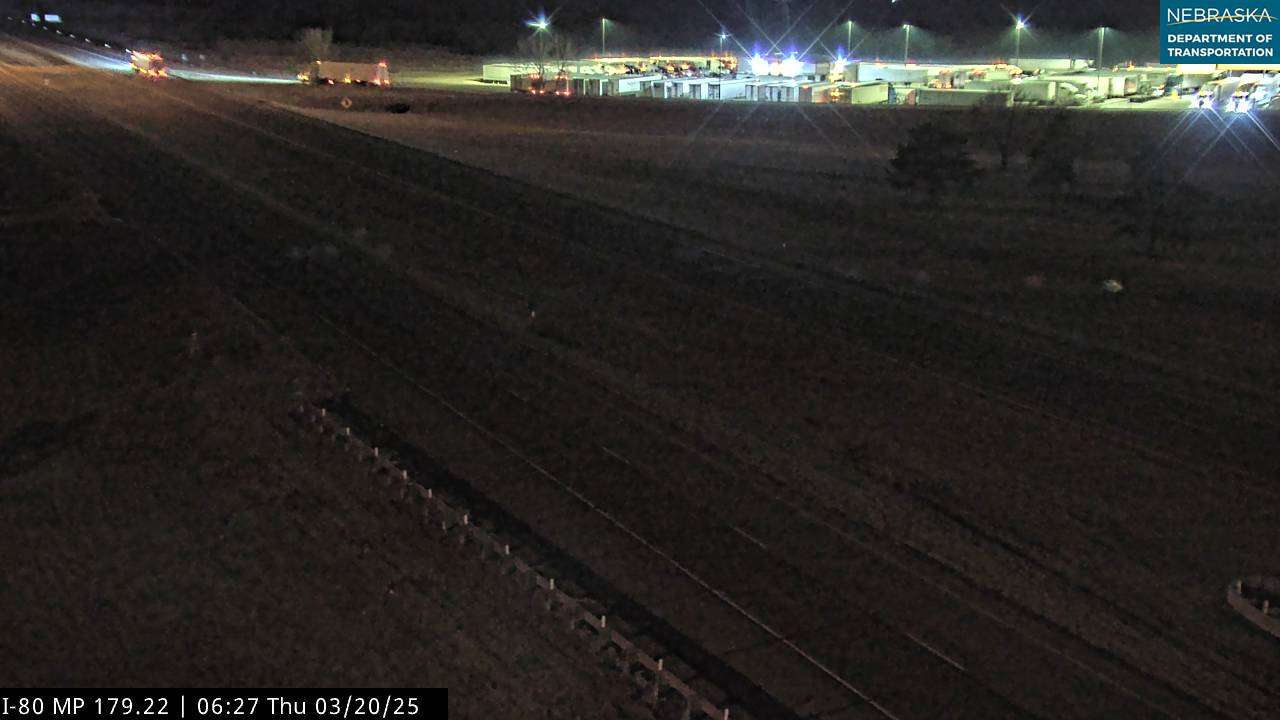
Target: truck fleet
332 73
148 64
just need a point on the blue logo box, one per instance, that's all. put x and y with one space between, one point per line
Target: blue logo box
1220 31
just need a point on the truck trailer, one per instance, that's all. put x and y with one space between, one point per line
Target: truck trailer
931 97
535 84
1253 92
324 72
1216 94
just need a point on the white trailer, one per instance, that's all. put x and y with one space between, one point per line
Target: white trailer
332 73
632 84
502 72
1216 94
871 93
933 97
869 72
1254 91
1052 64
1036 91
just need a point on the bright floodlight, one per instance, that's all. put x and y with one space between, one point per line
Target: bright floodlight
724 36
791 67
759 66
538 23
906 26
1022 24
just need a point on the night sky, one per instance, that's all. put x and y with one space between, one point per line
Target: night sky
493 26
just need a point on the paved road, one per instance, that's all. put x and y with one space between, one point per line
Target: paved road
381 264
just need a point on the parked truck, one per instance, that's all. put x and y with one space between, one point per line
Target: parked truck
1215 94
962 98
536 84
1253 92
1038 92
324 72
148 64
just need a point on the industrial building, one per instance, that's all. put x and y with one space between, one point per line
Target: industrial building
792 79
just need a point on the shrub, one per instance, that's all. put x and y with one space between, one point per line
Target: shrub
934 156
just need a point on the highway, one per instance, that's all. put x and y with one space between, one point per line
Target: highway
813 586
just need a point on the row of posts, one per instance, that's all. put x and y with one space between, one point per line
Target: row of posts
628 654
1266 602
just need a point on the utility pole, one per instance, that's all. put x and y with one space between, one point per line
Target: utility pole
848 43
602 24
906 43
1102 39
1017 40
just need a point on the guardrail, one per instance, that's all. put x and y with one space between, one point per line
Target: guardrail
660 674
1257 598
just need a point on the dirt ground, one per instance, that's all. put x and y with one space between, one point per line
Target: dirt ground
168 524
1097 514
806 184
908 473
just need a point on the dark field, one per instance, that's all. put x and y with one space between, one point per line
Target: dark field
879 455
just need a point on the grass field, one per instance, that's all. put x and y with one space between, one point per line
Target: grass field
805 185
759 388
168 524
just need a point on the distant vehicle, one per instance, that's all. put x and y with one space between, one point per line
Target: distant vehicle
1254 94
148 64
536 84
528 83
1215 94
1183 85
333 73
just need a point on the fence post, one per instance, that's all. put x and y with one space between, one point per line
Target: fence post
656 690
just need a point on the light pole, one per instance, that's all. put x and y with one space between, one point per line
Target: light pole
1017 40
848 42
906 43
1102 39
723 36
603 22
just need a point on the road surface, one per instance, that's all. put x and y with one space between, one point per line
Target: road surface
801 583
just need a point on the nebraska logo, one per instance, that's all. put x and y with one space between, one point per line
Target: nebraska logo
1182 16
1212 31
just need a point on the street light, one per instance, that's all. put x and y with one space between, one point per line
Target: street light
723 36
1017 40
1102 39
906 43
539 23
848 43
603 22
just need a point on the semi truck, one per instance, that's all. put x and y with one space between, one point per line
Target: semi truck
962 98
332 73
1252 94
535 84
1215 94
148 64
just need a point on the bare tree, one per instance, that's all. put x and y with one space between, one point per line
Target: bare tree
562 50
998 128
535 49
317 42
